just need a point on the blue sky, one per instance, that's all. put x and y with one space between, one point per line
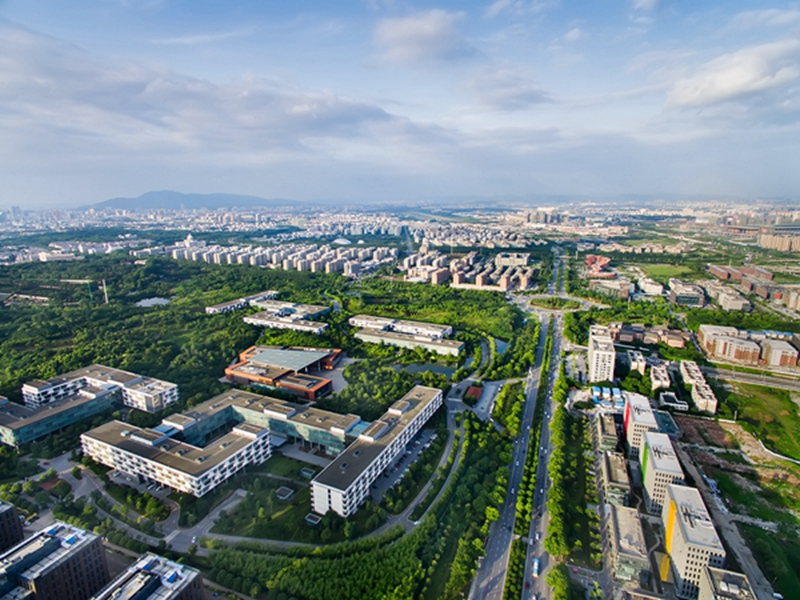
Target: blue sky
384 100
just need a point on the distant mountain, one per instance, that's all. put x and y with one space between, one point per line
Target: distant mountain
175 200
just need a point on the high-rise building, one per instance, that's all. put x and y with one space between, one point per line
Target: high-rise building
62 562
691 542
627 553
10 526
601 355
639 418
154 578
660 467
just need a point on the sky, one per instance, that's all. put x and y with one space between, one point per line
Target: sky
383 100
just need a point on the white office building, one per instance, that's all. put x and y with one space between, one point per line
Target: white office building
660 468
601 355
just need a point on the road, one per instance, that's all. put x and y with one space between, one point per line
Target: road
490 578
782 383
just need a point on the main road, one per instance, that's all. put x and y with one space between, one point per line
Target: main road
490 577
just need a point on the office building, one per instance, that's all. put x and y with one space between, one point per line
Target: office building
601 355
670 400
636 361
686 294
627 556
690 540
155 578
345 483
638 419
660 468
736 350
606 432
157 455
288 315
61 562
614 480
20 424
10 526
659 378
720 584
143 393
240 303
778 353
406 334
286 368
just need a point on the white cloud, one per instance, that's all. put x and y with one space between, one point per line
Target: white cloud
573 35
519 7
506 90
201 38
426 36
746 71
644 4
771 17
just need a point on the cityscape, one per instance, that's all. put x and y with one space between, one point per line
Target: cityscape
489 300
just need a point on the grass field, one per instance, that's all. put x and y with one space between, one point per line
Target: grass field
768 413
778 557
662 272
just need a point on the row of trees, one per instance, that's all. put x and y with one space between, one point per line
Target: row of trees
396 499
519 355
509 406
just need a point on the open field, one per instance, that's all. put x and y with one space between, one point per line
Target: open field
662 272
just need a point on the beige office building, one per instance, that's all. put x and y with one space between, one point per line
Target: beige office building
660 467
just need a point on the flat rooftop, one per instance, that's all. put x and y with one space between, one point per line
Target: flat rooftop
346 468
158 447
640 410
149 578
729 585
693 518
628 532
294 360
54 543
662 455
614 469
16 416
389 336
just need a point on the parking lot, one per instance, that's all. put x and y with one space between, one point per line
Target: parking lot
396 470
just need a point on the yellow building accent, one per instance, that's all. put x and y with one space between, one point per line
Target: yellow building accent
671 516
664 568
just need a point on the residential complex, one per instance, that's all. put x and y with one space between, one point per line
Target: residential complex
61 562
638 419
286 368
659 377
152 577
691 542
601 354
719 584
10 526
702 395
660 468
137 391
636 361
627 552
345 483
288 315
772 348
406 334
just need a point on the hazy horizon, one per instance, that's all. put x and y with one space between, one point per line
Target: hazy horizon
380 101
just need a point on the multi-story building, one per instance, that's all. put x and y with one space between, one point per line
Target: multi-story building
736 350
406 334
157 455
143 393
20 424
650 287
686 294
660 468
670 400
606 432
638 419
690 540
659 377
778 353
152 577
240 303
707 335
601 355
61 562
702 394
636 361
288 315
720 584
614 479
345 483
10 526
627 553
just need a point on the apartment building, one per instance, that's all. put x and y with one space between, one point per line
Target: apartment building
702 394
660 468
601 355
639 418
636 361
345 483
659 377
158 456
61 562
614 480
10 526
690 539
720 584
778 353
153 577
627 557
137 391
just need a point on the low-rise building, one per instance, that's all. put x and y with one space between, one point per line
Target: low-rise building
778 353
690 540
410 341
345 483
627 556
152 577
639 418
670 400
614 480
240 303
686 294
659 377
60 562
720 584
10 526
288 315
660 468
636 361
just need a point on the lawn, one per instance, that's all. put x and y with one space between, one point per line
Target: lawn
662 272
283 466
768 413
778 557
748 501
